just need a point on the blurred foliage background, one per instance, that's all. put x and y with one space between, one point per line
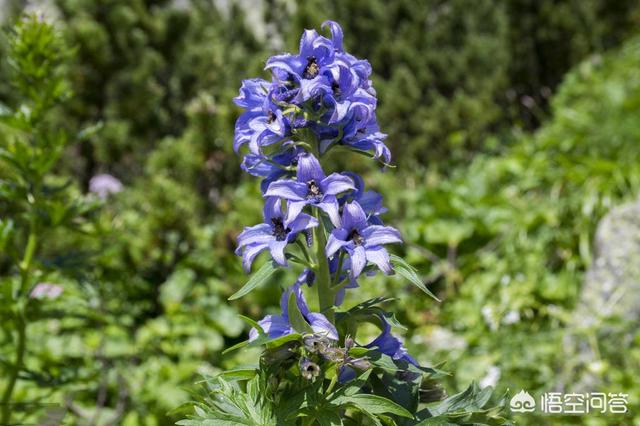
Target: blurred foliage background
513 125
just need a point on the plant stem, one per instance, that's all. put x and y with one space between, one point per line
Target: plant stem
334 380
323 278
308 421
305 252
21 322
13 378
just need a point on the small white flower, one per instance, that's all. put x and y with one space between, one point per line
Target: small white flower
492 377
512 317
487 314
103 185
46 290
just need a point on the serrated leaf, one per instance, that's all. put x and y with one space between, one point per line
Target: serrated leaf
259 278
370 303
296 319
373 404
409 272
471 399
239 373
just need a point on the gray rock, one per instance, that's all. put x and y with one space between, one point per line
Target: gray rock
612 285
608 309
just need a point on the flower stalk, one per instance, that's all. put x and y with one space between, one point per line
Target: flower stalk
323 278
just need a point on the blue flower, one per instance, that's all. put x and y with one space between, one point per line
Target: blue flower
309 69
362 242
274 167
263 123
389 344
312 187
322 88
278 325
274 234
370 201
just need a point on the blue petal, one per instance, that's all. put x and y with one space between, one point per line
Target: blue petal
346 374
376 235
380 257
252 93
389 344
358 260
302 222
287 189
291 64
260 233
249 253
272 209
320 324
336 183
294 209
329 205
309 169
273 325
353 216
337 240
336 34
277 251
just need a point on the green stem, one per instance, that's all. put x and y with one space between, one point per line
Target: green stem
305 252
337 287
308 421
21 323
334 380
13 378
323 278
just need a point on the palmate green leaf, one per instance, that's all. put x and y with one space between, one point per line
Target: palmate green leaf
471 399
409 272
328 418
471 406
229 404
259 278
403 389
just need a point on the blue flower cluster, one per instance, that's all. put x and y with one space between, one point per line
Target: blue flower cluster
322 93
318 99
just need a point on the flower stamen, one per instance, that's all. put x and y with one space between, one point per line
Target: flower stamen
355 236
279 231
313 190
312 69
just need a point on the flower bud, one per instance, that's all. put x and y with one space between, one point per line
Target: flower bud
315 343
309 369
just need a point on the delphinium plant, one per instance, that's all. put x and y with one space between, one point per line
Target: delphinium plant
315 368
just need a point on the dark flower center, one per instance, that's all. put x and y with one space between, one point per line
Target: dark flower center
309 369
312 69
278 229
336 88
313 191
355 236
270 117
